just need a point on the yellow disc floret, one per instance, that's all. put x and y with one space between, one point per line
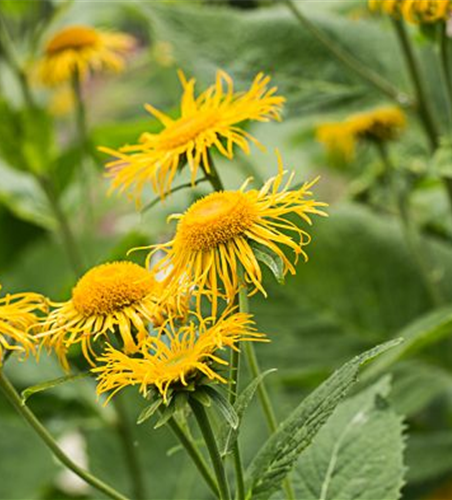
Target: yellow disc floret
120 298
214 220
217 237
109 288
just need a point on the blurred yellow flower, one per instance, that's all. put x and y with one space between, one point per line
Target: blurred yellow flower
81 50
212 119
177 356
414 11
215 236
117 297
18 315
380 125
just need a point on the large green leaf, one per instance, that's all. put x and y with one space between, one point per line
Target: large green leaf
279 454
360 286
271 40
358 454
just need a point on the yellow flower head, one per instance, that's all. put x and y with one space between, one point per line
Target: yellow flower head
338 138
176 356
414 11
210 120
117 297
81 50
215 236
381 124
18 315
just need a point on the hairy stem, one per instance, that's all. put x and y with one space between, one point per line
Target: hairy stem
212 447
15 400
425 111
194 454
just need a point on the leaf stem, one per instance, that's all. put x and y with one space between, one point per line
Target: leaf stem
15 400
212 447
351 62
425 111
123 428
194 454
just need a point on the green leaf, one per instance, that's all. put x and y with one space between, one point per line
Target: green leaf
50 384
279 454
417 385
358 454
149 411
428 456
229 435
270 259
201 396
442 159
166 414
426 330
223 406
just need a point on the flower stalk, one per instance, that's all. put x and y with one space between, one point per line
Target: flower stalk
194 454
212 447
15 400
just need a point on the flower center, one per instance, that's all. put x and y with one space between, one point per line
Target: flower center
108 288
187 129
73 37
215 219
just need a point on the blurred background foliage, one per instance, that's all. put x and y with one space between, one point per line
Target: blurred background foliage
361 286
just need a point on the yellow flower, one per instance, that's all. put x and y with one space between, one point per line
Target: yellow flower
215 236
381 124
338 138
414 11
82 49
210 120
18 315
117 297
176 356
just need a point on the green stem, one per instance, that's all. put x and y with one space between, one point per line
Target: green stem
15 400
445 69
425 111
212 447
7 51
264 398
212 175
365 73
194 454
409 228
85 145
234 380
132 460
67 236
158 199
